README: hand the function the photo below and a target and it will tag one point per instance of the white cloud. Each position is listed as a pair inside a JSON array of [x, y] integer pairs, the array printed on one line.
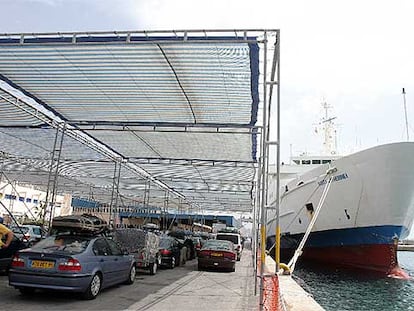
[[356, 55]]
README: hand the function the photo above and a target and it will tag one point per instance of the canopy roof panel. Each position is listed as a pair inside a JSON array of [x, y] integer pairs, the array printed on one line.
[[148, 82], [192, 143], [149, 116], [38, 143]]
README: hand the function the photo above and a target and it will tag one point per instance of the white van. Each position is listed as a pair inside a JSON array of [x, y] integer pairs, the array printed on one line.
[[232, 237]]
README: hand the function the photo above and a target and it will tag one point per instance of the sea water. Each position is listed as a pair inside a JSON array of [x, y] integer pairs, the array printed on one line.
[[337, 290]]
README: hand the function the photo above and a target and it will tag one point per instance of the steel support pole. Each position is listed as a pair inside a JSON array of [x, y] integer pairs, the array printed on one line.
[[115, 193], [264, 173], [256, 222], [116, 211], [112, 193], [277, 233], [165, 223], [49, 180], [54, 175]]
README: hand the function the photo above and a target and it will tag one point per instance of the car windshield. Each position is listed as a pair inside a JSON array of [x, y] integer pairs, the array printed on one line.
[[64, 244], [228, 237]]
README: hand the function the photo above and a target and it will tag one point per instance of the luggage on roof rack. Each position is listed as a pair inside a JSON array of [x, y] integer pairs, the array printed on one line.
[[84, 223], [229, 230], [144, 245]]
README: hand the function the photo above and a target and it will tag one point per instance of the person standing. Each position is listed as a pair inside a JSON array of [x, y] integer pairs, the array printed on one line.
[[4, 231]]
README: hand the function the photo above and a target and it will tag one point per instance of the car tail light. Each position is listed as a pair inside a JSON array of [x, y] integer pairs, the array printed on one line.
[[71, 265], [165, 252], [231, 256], [17, 262]]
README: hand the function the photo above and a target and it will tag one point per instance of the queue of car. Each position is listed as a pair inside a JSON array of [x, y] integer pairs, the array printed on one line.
[[85, 257]]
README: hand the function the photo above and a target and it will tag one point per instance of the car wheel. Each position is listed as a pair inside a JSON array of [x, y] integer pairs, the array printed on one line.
[[27, 291], [131, 276], [200, 268], [172, 265], [94, 288], [153, 267]]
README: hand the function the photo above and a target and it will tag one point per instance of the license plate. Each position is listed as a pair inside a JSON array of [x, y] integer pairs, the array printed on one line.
[[43, 264], [217, 254]]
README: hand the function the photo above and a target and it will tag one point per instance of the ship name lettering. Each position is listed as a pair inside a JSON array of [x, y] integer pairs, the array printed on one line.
[[336, 178]]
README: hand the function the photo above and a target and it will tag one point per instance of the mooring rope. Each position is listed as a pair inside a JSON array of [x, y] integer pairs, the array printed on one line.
[[298, 251]]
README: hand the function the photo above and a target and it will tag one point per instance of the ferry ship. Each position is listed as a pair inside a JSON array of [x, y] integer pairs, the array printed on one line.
[[367, 209]]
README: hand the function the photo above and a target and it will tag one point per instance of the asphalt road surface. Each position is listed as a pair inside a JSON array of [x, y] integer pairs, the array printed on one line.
[[119, 297], [182, 288]]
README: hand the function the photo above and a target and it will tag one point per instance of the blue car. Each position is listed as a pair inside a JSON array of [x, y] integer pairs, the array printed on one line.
[[76, 263]]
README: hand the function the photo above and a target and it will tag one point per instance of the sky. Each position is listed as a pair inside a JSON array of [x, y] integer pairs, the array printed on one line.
[[355, 55]]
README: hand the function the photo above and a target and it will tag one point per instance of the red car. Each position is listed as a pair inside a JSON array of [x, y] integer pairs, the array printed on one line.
[[217, 254]]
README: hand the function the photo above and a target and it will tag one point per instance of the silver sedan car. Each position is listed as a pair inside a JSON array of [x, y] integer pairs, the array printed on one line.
[[77, 263]]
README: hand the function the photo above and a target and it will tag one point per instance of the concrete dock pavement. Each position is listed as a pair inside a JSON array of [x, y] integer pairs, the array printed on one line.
[[293, 296], [207, 290]]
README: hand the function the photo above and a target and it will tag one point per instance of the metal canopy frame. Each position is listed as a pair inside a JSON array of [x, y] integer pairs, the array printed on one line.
[[179, 110]]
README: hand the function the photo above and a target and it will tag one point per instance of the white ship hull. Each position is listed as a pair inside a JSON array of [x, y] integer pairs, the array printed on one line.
[[369, 206]]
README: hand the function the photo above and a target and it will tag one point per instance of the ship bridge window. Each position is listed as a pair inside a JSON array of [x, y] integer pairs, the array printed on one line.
[[316, 161], [306, 162], [296, 162], [326, 161]]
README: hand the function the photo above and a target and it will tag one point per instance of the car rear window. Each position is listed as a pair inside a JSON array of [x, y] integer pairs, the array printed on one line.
[[63, 244], [218, 244], [228, 237], [165, 243], [37, 231]]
